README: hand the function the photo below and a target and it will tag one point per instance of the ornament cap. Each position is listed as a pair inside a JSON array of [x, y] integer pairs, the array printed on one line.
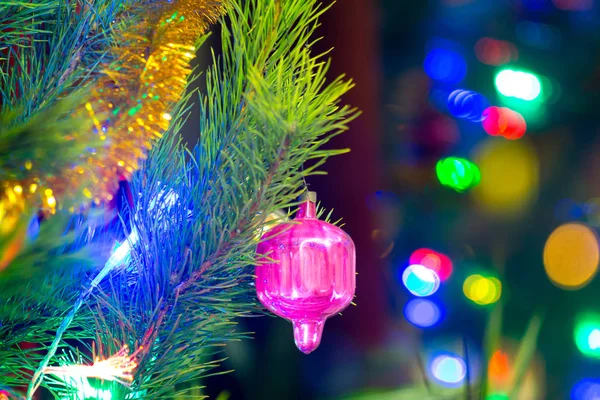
[[307, 334], [309, 196], [308, 208]]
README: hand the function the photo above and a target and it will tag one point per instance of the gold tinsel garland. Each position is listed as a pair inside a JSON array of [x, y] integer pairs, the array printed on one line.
[[130, 106]]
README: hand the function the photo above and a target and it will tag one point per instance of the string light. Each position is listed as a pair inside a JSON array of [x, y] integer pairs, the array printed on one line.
[[118, 368]]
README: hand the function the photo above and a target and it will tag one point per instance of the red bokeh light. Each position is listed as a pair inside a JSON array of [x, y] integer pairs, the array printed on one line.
[[495, 52], [504, 122], [437, 262]]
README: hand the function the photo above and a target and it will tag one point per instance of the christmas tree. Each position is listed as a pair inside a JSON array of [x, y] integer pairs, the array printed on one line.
[[125, 258]]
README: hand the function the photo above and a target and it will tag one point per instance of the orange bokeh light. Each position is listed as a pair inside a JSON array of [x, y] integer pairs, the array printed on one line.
[[499, 367]]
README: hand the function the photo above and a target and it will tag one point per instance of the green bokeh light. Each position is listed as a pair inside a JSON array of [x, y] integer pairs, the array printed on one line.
[[519, 84], [587, 334], [457, 173], [497, 396]]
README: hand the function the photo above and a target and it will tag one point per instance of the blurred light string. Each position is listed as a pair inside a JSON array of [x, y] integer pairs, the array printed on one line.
[[120, 256]]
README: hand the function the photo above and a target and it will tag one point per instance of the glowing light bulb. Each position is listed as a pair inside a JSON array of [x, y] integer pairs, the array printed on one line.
[[420, 280]]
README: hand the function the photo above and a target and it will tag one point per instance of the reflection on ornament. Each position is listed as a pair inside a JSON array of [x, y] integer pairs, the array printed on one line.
[[435, 261], [306, 273], [420, 280], [511, 174], [571, 256], [457, 173]]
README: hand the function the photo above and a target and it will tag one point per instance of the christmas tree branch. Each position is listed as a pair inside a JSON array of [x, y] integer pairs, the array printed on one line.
[[197, 216]]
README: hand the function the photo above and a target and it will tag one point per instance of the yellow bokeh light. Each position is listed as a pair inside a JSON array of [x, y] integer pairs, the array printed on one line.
[[509, 176], [18, 189], [51, 201], [482, 290], [571, 256]]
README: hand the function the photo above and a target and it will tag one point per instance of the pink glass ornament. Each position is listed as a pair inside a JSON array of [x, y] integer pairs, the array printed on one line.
[[312, 277]]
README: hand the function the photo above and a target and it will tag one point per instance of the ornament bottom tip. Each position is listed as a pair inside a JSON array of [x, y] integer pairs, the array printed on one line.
[[307, 334]]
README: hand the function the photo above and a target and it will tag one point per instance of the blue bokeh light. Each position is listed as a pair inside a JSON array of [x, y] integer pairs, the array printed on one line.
[[586, 389], [445, 65], [467, 104], [422, 313], [448, 369]]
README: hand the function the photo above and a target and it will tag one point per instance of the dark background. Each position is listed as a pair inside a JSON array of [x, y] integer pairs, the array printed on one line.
[[387, 192]]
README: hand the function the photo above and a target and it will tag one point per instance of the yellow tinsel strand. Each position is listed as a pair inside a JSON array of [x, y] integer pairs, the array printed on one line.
[[140, 88], [129, 106]]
